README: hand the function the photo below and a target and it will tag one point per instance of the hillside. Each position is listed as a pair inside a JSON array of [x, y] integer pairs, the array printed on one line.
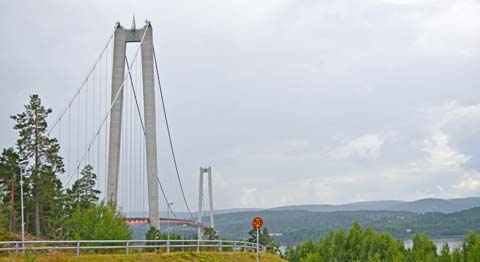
[[429, 205], [357, 206], [417, 206], [294, 226]]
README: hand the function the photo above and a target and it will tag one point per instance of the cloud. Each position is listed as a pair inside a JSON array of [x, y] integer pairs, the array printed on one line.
[[366, 146], [445, 115], [451, 27], [408, 2], [248, 197], [469, 184], [286, 150], [288, 101], [440, 154]]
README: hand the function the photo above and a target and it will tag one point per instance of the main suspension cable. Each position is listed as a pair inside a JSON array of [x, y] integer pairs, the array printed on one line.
[[169, 135], [145, 134], [83, 83], [135, 95], [111, 106]]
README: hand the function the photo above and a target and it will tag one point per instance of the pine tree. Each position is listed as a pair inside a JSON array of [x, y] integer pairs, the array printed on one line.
[[264, 239], [210, 233], [153, 234], [457, 255], [445, 254], [83, 193], [39, 155], [354, 242], [10, 193]]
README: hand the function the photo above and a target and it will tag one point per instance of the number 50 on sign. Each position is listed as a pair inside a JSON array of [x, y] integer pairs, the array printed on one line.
[[257, 222]]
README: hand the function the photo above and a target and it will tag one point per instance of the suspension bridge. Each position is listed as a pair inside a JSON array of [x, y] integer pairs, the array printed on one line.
[[106, 126]]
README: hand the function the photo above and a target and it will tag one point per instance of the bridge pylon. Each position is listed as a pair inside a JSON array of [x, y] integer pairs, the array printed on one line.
[[121, 38], [208, 171]]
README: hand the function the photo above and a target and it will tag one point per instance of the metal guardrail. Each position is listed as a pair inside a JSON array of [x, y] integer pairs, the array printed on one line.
[[142, 245]]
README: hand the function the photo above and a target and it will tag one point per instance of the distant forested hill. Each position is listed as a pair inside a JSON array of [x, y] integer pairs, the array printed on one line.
[[298, 225], [417, 206]]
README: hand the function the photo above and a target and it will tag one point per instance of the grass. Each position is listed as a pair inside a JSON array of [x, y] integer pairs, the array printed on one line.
[[147, 257]]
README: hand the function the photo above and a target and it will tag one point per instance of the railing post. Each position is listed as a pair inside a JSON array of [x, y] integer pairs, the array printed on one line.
[[198, 245], [244, 247], [126, 246], [235, 246], [78, 248], [219, 245], [16, 249]]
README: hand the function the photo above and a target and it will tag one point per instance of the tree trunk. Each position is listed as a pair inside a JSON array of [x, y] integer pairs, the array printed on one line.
[[36, 179], [13, 212]]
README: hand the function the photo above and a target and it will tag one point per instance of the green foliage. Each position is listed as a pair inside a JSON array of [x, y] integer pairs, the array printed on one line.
[[3, 217], [153, 233], [445, 254], [10, 188], [368, 245], [471, 247], [313, 257], [210, 233], [423, 249], [457, 255], [83, 193], [97, 222], [264, 239], [357, 245]]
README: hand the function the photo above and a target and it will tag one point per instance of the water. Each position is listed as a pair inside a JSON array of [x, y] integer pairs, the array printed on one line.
[[439, 242]]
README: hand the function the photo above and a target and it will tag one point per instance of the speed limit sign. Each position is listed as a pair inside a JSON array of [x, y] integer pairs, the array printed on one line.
[[257, 222]]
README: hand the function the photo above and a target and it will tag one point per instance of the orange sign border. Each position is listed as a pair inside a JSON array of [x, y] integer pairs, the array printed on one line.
[[259, 224]]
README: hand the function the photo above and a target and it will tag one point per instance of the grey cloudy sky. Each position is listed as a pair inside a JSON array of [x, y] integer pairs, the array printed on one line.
[[291, 102]]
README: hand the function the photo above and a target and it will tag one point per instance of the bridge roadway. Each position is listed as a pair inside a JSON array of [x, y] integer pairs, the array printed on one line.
[[142, 220]]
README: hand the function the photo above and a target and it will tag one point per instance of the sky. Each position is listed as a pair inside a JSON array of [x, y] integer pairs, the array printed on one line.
[[290, 102]]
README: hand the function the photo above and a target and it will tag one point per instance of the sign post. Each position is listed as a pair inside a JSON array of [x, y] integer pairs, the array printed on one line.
[[257, 223]]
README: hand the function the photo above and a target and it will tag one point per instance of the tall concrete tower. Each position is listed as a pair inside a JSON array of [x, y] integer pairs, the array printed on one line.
[[122, 37], [208, 171]]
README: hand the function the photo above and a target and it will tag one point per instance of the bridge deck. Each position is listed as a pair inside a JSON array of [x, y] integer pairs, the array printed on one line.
[[142, 220]]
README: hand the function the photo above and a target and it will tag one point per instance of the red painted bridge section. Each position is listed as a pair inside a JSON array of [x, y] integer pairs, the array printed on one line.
[[141, 221]]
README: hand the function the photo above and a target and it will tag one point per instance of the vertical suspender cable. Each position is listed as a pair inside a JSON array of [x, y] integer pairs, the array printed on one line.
[[78, 133], [158, 180], [69, 144], [99, 112], [106, 128], [83, 83], [86, 117], [111, 105], [94, 90]]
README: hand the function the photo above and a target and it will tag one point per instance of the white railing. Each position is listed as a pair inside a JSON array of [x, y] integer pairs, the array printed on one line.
[[129, 245]]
